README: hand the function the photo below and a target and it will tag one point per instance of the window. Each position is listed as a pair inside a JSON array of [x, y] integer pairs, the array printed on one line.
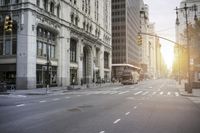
[[39, 48], [58, 11], [76, 20], [38, 3], [84, 25], [45, 39], [8, 47], [73, 44], [106, 60], [45, 4], [14, 46], [52, 51], [44, 50], [72, 18], [1, 47], [7, 2], [52, 7], [83, 5]]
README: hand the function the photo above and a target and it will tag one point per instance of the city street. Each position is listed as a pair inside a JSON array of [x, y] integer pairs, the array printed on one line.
[[153, 106]]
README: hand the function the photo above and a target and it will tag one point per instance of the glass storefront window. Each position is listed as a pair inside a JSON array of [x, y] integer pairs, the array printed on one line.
[[41, 75]]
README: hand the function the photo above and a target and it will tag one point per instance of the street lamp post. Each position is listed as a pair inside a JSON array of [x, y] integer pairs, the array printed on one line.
[[185, 9], [179, 71]]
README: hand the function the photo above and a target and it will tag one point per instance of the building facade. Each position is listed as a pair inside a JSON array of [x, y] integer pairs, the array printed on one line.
[[73, 37], [125, 27]]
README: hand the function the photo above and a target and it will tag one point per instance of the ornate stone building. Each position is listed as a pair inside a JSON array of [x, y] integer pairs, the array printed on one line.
[[74, 34]]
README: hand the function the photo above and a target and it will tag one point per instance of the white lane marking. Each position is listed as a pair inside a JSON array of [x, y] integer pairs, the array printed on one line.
[[161, 93], [116, 88], [154, 93], [115, 122], [168, 93], [56, 99], [67, 97], [145, 93], [43, 101], [127, 113], [135, 107], [78, 95], [21, 96], [137, 93], [111, 93], [176, 93], [123, 92], [20, 105], [102, 132]]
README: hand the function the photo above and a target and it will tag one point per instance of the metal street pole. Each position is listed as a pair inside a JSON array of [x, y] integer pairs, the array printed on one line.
[[179, 69], [186, 9]]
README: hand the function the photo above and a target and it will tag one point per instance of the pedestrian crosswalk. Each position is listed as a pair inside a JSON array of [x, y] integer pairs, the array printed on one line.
[[136, 93], [158, 93]]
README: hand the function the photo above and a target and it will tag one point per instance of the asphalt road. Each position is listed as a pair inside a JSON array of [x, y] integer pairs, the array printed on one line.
[[153, 106]]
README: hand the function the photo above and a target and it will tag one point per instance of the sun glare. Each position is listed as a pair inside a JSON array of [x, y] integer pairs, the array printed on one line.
[[167, 51]]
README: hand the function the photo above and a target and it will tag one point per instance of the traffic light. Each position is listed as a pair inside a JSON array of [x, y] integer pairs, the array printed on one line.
[[8, 24], [139, 39]]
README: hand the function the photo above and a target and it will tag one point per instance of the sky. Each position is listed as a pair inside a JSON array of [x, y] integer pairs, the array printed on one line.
[[163, 14]]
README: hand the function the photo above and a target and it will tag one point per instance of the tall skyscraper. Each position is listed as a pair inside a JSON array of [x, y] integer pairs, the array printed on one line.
[[125, 27]]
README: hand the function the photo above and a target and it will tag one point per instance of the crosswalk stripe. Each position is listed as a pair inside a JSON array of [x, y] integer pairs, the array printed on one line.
[[161, 93], [123, 92], [145, 93], [168, 93], [137, 93], [154, 93]]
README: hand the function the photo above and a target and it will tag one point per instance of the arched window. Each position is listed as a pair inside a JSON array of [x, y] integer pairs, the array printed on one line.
[[58, 10], [76, 20], [38, 3], [45, 3], [72, 18], [91, 28], [52, 7], [84, 25]]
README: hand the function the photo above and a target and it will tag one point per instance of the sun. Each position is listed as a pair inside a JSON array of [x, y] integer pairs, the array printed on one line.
[[167, 50]]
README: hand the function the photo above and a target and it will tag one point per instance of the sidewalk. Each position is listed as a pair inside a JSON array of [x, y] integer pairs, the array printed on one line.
[[57, 90], [181, 88]]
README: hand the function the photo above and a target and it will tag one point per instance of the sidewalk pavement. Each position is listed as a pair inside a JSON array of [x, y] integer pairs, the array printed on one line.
[[57, 90], [181, 88]]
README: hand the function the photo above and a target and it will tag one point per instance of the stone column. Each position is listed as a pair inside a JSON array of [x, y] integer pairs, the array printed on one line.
[[80, 60], [110, 64], [63, 53], [102, 62], [26, 52]]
